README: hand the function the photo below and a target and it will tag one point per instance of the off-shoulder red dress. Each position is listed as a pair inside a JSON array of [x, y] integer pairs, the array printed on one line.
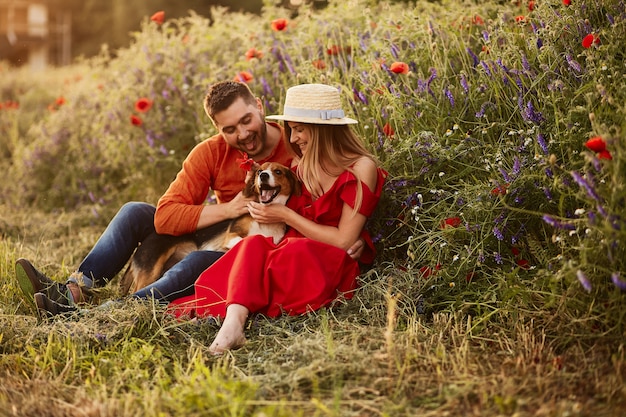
[[295, 276]]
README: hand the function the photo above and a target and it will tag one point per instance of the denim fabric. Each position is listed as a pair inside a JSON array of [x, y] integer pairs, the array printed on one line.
[[130, 226]]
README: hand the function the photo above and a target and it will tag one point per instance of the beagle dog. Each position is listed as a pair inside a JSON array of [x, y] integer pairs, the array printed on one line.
[[271, 183]]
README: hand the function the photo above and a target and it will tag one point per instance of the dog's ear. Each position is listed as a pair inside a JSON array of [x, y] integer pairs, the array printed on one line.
[[296, 187], [250, 189]]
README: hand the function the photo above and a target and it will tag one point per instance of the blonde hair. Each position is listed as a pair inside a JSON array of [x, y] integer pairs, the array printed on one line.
[[330, 146]]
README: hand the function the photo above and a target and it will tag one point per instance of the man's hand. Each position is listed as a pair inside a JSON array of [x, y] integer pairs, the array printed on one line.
[[238, 205], [356, 250]]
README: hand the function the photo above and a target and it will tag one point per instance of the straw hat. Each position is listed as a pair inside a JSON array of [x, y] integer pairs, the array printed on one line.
[[313, 103]]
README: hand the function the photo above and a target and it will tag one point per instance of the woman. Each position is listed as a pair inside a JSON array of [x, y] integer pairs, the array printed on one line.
[[311, 267]]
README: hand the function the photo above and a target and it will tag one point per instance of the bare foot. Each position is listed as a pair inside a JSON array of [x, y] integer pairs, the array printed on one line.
[[230, 335]]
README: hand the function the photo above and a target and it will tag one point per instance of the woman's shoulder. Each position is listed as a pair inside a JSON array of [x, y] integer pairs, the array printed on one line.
[[367, 170]]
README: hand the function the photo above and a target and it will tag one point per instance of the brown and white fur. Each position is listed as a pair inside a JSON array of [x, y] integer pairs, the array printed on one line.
[[271, 183]]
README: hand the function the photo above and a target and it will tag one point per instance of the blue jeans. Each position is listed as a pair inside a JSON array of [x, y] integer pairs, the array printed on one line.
[[130, 226]]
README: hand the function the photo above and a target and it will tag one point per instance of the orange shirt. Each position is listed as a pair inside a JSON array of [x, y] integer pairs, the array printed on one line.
[[211, 165]]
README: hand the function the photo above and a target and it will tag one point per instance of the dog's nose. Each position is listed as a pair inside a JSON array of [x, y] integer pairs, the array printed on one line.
[[264, 176]]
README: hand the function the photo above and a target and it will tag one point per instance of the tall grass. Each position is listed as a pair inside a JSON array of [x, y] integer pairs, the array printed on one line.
[[498, 286]]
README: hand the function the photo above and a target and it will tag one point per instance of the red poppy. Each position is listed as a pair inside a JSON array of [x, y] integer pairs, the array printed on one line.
[[245, 163], [279, 25], [520, 19], [591, 39], [523, 263], [60, 101], [567, 2], [477, 20], [399, 68], [427, 271], [333, 50], [319, 64], [451, 222], [253, 53], [531, 5], [388, 130], [243, 77], [469, 276], [500, 189], [596, 144], [135, 120], [605, 155], [158, 17], [143, 105]]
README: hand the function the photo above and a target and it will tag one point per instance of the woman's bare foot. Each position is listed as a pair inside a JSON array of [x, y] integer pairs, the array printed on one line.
[[230, 335]]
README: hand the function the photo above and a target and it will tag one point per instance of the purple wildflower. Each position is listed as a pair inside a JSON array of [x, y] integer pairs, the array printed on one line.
[[483, 109], [473, 55], [433, 75], [501, 65], [163, 150], [525, 63], [584, 184], [542, 143], [395, 51], [150, 138], [498, 233], [481, 257], [549, 173], [539, 43], [573, 64], [486, 36], [533, 26], [486, 67], [610, 18], [557, 224], [448, 94], [618, 282], [583, 280], [530, 114], [497, 257], [505, 175], [464, 84], [517, 165], [267, 89], [548, 194]]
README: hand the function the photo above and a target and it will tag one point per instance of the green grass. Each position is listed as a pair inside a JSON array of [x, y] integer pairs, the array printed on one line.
[[487, 316]]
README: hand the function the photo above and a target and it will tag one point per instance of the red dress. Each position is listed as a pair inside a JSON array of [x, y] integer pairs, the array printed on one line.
[[296, 276]]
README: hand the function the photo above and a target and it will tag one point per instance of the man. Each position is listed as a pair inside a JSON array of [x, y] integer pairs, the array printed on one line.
[[212, 165]]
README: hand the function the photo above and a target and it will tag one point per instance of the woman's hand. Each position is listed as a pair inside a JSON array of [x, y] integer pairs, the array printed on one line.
[[268, 213]]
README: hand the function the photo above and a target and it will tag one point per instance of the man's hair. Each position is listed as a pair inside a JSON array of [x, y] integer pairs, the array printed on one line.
[[222, 94]]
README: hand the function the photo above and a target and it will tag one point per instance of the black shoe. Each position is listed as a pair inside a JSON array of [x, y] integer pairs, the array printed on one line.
[[50, 308], [32, 281]]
